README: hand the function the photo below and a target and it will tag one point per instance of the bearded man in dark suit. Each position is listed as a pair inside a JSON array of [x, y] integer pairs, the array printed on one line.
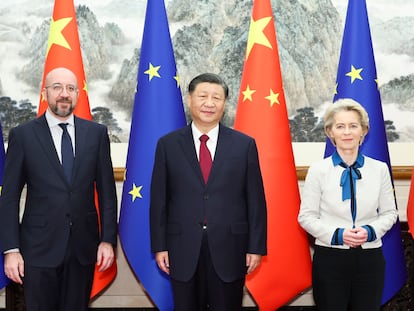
[[54, 250]]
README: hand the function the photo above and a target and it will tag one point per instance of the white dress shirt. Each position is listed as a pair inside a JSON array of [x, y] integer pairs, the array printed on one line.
[[57, 131], [211, 142]]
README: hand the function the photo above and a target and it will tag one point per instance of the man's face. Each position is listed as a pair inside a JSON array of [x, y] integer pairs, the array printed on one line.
[[61, 92], [207, 104]]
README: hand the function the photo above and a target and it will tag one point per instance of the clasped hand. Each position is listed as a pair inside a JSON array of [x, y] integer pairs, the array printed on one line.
[[355, 237]]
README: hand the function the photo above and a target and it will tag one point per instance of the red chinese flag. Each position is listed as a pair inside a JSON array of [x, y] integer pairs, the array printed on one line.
[[262, 114], [63, 50], [410, 207]]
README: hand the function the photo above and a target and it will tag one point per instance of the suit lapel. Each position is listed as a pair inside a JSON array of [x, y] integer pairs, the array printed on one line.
[[81, 134], [187, 144], [224, 143], [45, 139]]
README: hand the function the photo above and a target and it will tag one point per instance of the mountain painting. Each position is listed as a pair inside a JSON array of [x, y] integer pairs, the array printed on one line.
[[209, 36]]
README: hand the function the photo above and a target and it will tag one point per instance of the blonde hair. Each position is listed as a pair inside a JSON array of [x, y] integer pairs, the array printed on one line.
[[346, 104]]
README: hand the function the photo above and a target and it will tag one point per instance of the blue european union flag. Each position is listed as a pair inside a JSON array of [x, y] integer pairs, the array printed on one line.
[[158, 109], [357, 79], [3, 279]]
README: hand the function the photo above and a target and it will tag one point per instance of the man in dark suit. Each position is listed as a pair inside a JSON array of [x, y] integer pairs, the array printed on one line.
[[207, 231], [54, 250]]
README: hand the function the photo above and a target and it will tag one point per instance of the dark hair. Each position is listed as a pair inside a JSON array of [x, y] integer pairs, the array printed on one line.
[[209, 78]]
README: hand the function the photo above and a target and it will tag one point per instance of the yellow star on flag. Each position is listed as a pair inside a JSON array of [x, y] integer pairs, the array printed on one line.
[[247, 94], [256, 34], [135, 192], [85, 86], [273, 98], [55, 34], [354, 74], [177, 78], [152, 71]]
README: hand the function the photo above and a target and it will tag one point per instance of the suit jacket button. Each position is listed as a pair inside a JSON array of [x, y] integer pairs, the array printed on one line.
[[206, 196]]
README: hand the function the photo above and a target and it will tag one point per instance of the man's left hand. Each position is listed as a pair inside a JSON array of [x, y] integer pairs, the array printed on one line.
[[106, 256], [252, 262]]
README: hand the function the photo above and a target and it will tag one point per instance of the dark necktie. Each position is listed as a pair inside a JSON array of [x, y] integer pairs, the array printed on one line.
[[205, 157], [67, 152]]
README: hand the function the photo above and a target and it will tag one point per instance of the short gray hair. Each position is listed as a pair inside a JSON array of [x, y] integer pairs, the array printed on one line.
[[346, 104]]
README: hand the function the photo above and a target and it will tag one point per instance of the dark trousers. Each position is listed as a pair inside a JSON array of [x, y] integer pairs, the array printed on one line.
[[64, 288], [348, 279], [205, 290]]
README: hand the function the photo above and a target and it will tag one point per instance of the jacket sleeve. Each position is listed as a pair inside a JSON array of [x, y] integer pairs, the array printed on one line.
[[13, 183], [158, 205], [105, 184], [256, 202]]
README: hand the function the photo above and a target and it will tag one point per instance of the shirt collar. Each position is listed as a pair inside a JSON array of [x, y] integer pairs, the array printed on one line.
[[53, 121], [212, 134], [336, 159]]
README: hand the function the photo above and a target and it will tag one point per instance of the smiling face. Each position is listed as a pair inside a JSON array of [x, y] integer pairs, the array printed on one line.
[[61, 92], [346, 131], [206, 104]]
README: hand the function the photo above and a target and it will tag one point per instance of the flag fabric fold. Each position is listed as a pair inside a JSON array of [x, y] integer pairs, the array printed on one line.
[[3, 279], [262, 114], [357, 79], [410, 206], [158, 109], [63, 50]]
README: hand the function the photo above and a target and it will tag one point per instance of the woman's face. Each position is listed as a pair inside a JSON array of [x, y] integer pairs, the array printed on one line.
[[346, 131]]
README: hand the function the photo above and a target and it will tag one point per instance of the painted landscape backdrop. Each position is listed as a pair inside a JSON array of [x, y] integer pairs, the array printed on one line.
[[209, 35]]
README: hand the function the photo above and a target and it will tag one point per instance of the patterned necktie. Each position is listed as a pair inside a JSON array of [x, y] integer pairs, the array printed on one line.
[[205, 157], [67, 152]]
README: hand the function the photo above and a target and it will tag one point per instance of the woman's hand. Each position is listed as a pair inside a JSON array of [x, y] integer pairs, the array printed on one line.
[[355, 237]]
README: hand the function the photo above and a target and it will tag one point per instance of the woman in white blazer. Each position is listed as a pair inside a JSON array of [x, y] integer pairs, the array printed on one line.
[[347, 206]]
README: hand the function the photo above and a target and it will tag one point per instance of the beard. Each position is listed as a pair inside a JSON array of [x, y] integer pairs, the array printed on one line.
[[63, 112]]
